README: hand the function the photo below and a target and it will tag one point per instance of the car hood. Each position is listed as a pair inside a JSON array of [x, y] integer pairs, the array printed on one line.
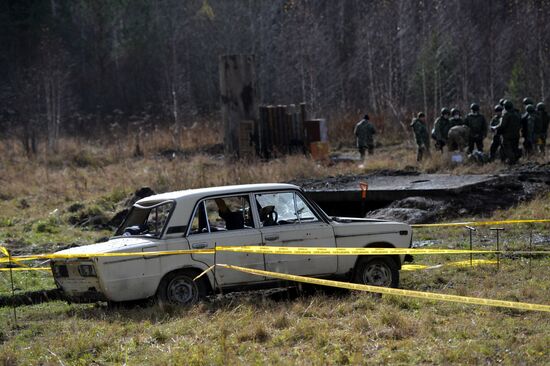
[[113, 245]]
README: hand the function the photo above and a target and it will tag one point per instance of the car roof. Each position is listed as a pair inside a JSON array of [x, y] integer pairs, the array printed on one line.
[[223, 190]]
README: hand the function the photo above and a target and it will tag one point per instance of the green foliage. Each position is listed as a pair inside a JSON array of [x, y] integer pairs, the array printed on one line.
[[116, 196], [7, 221], [51, 226]]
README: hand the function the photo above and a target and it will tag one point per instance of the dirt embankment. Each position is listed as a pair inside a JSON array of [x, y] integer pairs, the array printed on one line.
[[504, 190]]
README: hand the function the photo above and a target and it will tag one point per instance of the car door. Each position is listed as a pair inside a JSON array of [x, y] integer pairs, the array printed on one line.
[[227, 221], [287, 220]]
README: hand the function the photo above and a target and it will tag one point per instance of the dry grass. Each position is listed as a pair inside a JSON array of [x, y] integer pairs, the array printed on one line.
[[325, 328]]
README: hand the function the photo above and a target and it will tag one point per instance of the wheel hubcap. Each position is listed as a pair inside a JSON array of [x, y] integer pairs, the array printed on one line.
[[181, 291], [377, 274]]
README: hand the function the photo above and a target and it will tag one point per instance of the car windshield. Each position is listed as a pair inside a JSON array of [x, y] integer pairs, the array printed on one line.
[[146, 220]]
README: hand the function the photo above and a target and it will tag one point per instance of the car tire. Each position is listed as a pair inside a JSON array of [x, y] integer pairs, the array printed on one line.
[[376, 271], [179, 288]]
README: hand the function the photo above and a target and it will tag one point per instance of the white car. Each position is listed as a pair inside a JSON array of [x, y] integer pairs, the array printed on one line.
[[243, 215]]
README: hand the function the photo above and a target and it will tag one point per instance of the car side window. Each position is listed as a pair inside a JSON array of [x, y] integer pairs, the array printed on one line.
[[283, 208], [229, 213], [199, 224]]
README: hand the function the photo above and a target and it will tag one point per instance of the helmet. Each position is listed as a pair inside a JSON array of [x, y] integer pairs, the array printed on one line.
[[474, 107], [445, 111], [527, 101], [508, 105], [455, 111], [420, 115], [498, 108], [540, 106], [530, 108], [501, 101]]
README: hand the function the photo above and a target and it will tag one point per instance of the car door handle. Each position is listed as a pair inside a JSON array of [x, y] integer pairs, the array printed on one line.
[[199, 245], [272, 237]]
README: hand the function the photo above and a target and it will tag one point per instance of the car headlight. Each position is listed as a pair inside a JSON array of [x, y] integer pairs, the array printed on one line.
[[86, 270], [60, 270]]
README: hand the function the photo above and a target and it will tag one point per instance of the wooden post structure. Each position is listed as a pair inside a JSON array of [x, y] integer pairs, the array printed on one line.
[[238, 97], [263, 137]]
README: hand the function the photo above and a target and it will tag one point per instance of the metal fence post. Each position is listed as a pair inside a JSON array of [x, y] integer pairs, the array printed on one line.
[[471, 229], [10, 263], [498, 230], [530, 248]]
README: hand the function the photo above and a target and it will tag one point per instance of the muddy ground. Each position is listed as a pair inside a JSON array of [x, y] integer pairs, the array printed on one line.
[[506, 189]]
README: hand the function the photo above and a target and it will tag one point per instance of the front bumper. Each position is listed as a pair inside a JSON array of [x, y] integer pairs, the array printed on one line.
[[75, 287], [86, 297]]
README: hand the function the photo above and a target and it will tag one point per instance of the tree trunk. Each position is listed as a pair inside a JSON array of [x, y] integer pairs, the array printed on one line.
[[372, 95], [424, 89]]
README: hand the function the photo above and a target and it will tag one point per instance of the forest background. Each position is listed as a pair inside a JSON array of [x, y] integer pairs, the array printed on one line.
[[92, 69]]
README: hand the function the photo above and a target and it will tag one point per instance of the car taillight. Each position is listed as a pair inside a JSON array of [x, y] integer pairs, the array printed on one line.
[[60, 270], [86, 270]]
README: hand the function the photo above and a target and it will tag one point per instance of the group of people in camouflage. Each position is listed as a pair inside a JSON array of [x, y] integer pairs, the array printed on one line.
[[507, 126]]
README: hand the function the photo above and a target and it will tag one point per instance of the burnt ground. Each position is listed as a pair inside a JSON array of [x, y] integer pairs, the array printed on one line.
[[503, 190]]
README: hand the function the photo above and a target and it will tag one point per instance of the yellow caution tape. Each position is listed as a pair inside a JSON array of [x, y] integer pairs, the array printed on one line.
[[25, 269], [4, 251], [10, 259], [417, 267], [482, 223], [94, 255], [475, 262], [270, 250], [344, 251], [465, 263], [360, 251], [394, 291], [405, 267]]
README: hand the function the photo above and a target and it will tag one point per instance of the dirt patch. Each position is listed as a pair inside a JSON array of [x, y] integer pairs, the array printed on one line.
[[31, 298], [506, 189], [413, 210], [340, 181]]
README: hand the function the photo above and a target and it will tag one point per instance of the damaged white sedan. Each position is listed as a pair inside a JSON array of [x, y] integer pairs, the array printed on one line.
[[244, 215]]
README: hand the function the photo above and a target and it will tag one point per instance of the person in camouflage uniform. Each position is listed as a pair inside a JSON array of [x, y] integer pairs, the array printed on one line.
[[509, 128], [497, 138], [421, 135], [458, 138], [543, 132], [364, 132], [456, 119], [478, 128], [533, 127], [441, 129], [526, 130]]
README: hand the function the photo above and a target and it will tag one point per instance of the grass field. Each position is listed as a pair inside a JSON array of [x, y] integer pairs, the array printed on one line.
[[312, 327]]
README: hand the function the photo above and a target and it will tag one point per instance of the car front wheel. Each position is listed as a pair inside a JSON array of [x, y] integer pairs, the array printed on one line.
[[377, 271], [179, 288]]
